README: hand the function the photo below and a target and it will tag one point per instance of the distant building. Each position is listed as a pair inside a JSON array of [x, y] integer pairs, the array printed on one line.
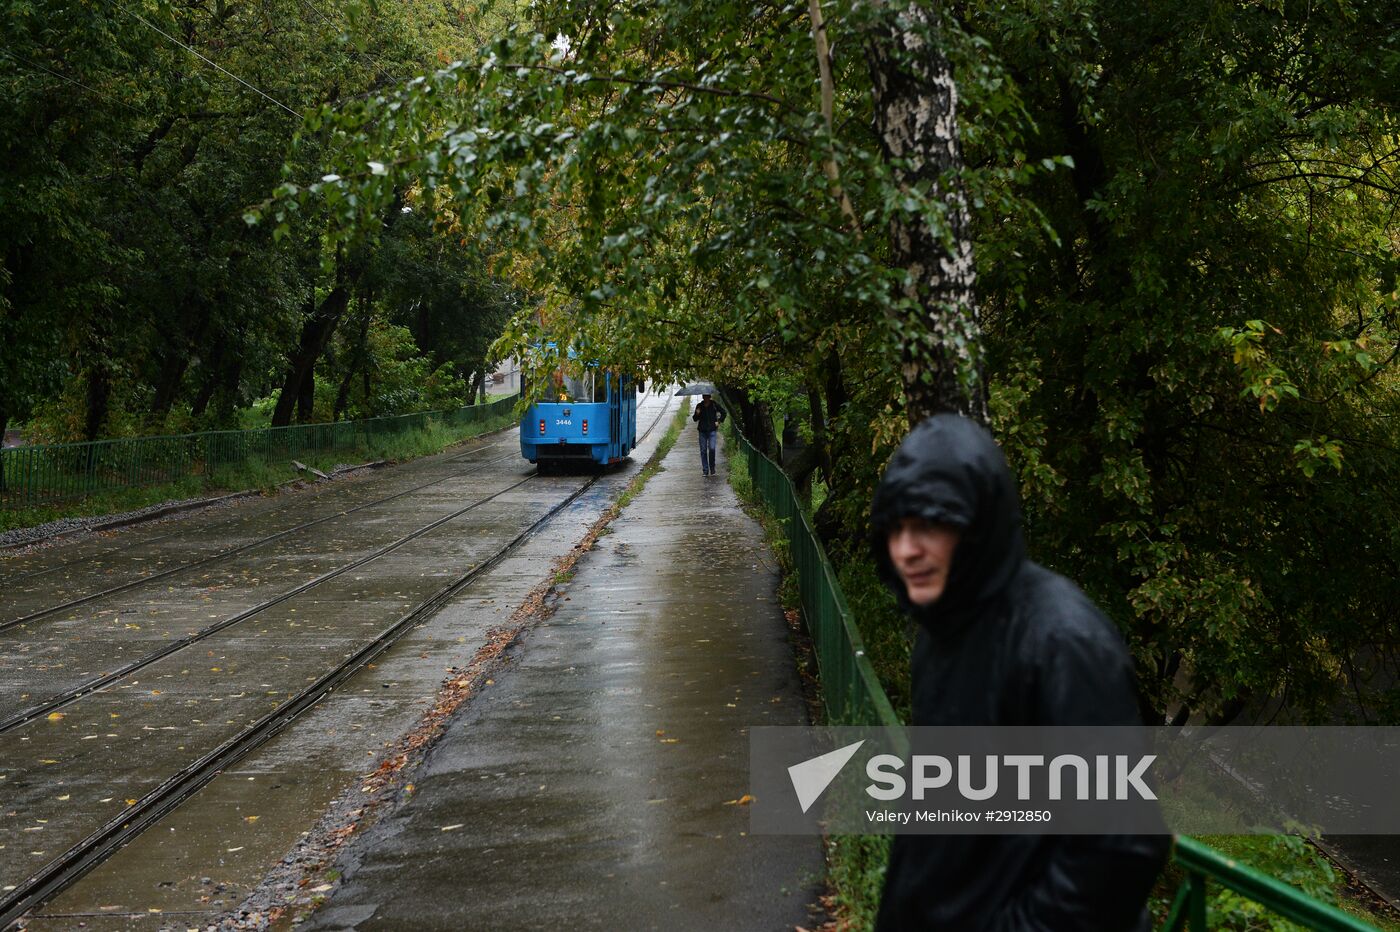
[[506, 378]]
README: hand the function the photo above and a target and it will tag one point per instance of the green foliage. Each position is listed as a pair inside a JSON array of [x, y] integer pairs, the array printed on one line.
[[1145, 197], [856, 871], [1191, 379], [134, 296], [882, 626], [1287, 858]]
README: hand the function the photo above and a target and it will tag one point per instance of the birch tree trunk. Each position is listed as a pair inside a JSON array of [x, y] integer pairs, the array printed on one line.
[[916, 121]]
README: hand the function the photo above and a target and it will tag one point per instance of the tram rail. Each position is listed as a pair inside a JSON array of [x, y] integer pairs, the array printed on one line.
[[60, 872], [10, 579], [214, 557]]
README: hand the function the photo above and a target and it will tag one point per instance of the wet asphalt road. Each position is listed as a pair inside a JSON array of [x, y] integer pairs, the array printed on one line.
[[598, 785], [67, 772]]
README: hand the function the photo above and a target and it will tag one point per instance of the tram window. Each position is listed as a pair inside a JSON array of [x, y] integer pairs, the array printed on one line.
[[600, 387], [562, 388]]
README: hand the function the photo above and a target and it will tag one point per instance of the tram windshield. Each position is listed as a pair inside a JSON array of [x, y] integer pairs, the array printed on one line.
[[562, 387]]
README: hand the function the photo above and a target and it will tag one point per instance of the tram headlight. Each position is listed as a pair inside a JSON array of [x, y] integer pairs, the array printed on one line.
[[541, 427], [585, 427]]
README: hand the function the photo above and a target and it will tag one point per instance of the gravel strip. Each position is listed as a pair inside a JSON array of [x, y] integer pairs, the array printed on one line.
[[44, 534]]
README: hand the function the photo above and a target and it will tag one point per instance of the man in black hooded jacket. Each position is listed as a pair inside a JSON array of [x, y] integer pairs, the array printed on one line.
[[1000, 640]]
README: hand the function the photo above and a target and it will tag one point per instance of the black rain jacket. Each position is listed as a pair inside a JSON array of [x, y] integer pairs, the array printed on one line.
[[709, 415], [1007, 643]]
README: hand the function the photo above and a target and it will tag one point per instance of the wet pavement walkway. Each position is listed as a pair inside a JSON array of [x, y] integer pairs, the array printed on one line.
[[599, 782]]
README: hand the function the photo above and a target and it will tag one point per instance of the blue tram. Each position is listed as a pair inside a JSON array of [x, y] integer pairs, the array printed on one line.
[[581, 419]]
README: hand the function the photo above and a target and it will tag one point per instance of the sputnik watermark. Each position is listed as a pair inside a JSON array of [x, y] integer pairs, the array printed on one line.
[[1115, 777], [1074, 780], [811, 777]]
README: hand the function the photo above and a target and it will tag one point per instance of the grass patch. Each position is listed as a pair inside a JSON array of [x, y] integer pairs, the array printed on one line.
[[774, 530], [253, 474], [105, 503], [855, 866], [884, 629]]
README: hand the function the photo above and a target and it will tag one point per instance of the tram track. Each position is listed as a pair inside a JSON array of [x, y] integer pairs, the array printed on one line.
[[23, 577], [58, 701], [223, 554], [156, 804], [150, 808]]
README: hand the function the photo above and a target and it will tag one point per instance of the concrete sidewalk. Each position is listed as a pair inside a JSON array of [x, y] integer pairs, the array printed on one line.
[[593, 785]]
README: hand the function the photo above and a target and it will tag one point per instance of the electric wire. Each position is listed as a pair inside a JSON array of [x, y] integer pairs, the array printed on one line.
[[92, 90], [195, 52], [363, 55]]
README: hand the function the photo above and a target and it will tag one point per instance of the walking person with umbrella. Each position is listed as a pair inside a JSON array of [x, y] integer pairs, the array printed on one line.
[[708, 415]]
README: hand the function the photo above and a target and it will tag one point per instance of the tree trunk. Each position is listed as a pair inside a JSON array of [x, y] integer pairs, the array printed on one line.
[[228, 390], [176, 360], [916, 121], [821, 443], [836, 396], [357, 360], [306, 394], [213, 372], [299, 383], [755, 420], [172, 375], [316, 333], [99, 397], [342, 396]]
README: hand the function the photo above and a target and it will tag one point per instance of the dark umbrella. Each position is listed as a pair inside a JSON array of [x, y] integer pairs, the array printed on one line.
[[697, 388]]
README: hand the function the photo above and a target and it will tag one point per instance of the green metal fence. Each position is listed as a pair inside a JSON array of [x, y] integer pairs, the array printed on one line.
[[43, 474], [853, 696], [850, 687], [1204, 864]]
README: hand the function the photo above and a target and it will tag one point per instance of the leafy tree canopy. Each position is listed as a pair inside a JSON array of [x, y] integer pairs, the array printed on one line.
[[1184, 231]]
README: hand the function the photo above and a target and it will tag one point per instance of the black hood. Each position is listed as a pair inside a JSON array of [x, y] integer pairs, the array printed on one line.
[[949, 469]]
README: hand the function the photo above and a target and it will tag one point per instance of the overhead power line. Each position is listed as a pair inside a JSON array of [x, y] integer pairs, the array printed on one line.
[[257, 90], [364, 56], [74, 81]]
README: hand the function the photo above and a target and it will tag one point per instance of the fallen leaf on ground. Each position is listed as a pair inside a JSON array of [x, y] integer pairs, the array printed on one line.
[[741, 801]]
